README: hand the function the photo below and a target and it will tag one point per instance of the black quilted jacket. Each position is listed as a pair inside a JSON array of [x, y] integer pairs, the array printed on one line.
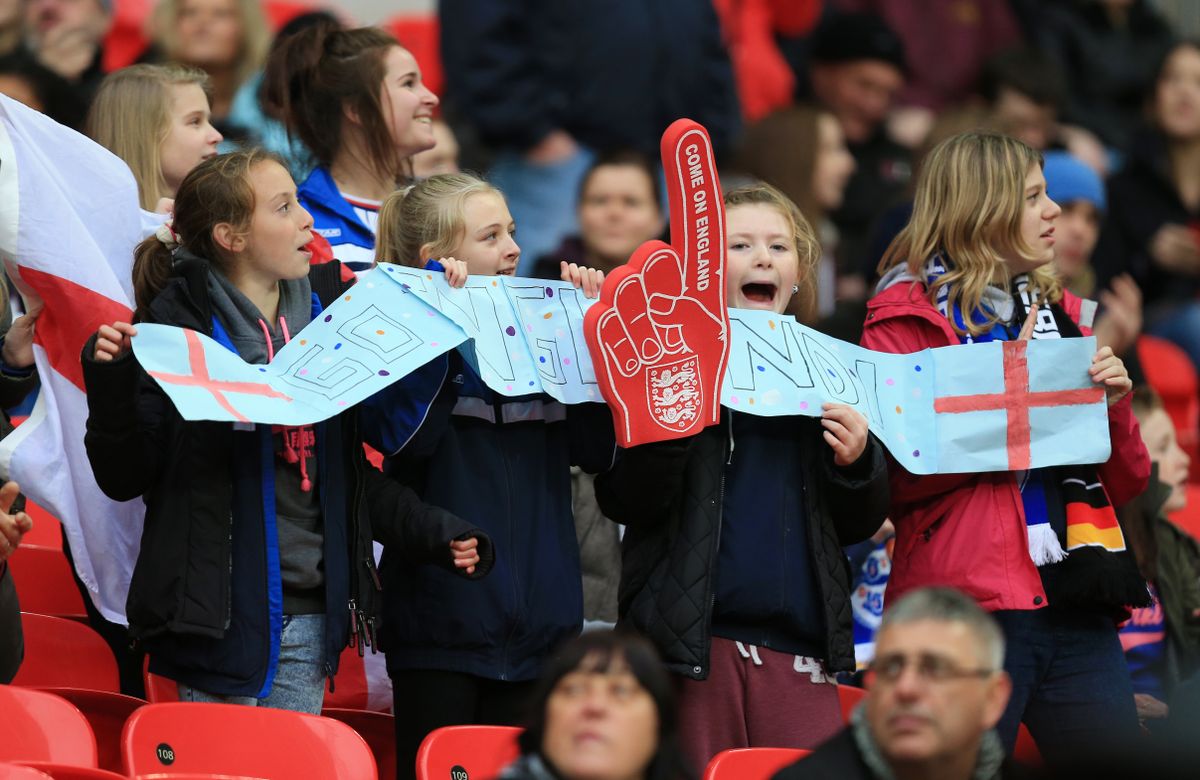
[[669, 496]]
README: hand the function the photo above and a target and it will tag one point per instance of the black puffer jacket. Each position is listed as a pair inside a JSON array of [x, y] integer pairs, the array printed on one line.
[[670, 495]]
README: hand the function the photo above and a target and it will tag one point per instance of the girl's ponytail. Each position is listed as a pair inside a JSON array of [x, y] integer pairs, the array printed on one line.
[[390, 245], [151, 270]]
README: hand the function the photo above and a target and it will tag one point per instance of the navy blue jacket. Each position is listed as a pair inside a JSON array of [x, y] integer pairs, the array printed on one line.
[[612, 74], [206, 596], [670, 496], [502, 464]]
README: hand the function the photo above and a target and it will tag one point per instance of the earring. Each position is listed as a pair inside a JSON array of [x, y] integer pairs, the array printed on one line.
[[795, 289]]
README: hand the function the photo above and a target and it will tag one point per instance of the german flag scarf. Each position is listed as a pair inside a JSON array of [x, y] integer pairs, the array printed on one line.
[[1074, 537]]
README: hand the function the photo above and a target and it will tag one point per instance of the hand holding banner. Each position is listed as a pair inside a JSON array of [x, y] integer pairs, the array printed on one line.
[[659, 335]]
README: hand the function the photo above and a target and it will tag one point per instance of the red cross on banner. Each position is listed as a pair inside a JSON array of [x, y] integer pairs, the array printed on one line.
[[1017, 399], [200, 378]]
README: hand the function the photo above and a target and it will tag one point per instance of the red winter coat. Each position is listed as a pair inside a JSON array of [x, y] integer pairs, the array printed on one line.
[[967, 531]]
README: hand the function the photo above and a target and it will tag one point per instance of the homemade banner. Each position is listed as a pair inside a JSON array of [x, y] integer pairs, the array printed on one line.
[[660, 332], [978, 407]]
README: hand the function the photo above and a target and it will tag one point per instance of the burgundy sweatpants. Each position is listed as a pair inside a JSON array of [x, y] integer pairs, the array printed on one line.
[[755, 697]]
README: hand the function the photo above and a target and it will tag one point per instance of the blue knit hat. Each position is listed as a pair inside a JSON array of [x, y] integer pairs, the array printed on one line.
[[1068, 179]]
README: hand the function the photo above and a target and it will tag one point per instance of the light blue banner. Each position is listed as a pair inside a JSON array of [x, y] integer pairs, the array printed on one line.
[[1006, 407]]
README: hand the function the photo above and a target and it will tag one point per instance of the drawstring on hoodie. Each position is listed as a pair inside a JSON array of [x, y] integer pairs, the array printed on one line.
[[292, 435]]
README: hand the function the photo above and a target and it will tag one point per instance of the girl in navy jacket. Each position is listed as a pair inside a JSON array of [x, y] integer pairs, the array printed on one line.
[[457, 655]]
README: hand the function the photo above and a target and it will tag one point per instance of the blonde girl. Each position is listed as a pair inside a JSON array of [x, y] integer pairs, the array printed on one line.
[[974, 264], [732, 558], [157, 119], [457, 655]]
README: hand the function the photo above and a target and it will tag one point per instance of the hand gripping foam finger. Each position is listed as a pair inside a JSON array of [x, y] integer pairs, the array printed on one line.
[[659, 335]]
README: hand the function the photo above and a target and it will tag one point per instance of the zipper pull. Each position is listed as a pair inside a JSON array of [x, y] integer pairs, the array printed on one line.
[[370, 560], [353, 624], [364, 637], [329, 676], [371, 633]]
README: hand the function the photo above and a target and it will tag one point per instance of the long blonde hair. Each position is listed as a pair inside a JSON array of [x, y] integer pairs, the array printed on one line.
[[429, 212], [808, 248], [970, 197], [256, 36], [131, 117]]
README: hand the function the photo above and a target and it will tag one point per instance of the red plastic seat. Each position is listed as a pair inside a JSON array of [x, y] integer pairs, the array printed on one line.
[[849, 697], [46, 531], [21, 772], [65, 654], [106, 713], [67, 772], [378, 729], [1188, 518], [240, 740], [482, 751], [751, 763], [159, 689], [40, 726], [44, 582], [1025, 751]]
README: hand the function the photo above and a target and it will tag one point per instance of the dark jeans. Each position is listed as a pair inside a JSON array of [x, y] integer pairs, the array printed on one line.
[[1070, 683], [424, 700]]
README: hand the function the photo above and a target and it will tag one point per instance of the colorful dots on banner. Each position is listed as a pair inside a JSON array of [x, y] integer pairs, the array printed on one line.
[[803, 405], [547, 315], [566, 361], [343, 403], [379, 333], [771, 324], [384, 372], [733, 399], [329, 318], [917, 369], [510, 330], [302, 372], [337, 345], [433, 343], [303, 342], [899, 410], [494, 283], [549, 292], [508, 387], [889, 382], [346, 298], [542, 359], [761, 368], [262, 370], [916, 453]]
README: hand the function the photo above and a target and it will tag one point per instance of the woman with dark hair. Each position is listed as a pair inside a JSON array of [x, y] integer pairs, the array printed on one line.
[[356, 101], [604, 709], [1152, 229]]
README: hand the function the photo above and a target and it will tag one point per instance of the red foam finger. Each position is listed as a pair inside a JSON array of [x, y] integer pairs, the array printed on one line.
[[667, 305]]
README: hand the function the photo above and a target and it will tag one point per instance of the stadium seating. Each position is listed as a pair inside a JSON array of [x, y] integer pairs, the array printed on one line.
[[106, 713], [40, 726], [44, 582], [480, 751], [751, 763], [65, 653], [251, 741]]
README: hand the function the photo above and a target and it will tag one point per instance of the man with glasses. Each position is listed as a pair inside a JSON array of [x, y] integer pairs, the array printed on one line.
[[937, 687]]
